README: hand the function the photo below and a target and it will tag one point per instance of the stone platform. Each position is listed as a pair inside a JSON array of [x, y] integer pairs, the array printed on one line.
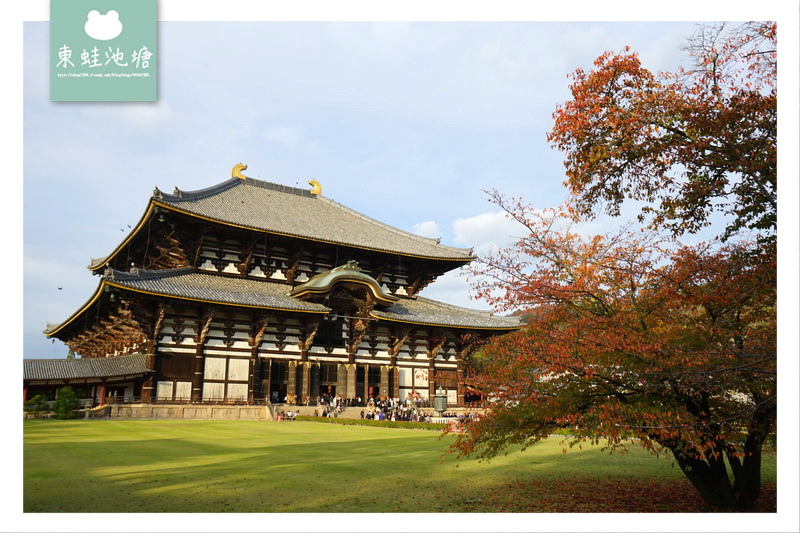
[[190, 412]]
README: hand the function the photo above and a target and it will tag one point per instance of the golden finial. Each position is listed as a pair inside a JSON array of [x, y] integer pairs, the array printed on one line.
[[316, 188], [237, 171]]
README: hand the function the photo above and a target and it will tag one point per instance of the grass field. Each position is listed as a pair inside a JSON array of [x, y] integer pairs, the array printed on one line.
[[235, 466]]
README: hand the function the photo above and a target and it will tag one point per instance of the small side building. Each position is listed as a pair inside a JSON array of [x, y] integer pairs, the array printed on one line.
[[94, 379]]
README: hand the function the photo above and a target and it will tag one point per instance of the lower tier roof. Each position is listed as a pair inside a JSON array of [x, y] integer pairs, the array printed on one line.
[[193, 285]]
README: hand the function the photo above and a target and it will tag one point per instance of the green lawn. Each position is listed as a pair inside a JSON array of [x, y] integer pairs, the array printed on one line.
[[235, 466]]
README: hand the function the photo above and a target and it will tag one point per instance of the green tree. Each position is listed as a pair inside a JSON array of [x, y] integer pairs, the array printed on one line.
[[37, 405], [67, 403]]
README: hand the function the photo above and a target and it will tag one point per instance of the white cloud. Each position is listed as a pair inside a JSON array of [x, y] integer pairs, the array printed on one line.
[[453, 287], [487, 231], [427, 229]]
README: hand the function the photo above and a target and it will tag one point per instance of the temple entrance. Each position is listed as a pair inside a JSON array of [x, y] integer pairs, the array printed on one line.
[[360, 380], [327, 390], [324, 379], [278, 381], [277, 393], [373, 382]]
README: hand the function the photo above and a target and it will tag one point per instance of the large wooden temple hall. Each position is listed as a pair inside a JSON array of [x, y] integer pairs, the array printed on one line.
[[253, 292]]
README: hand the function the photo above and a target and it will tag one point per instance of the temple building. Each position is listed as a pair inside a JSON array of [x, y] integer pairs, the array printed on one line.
[[253, 292]]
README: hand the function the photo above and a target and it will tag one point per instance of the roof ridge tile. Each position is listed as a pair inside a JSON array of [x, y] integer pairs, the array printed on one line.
[[179, 195]]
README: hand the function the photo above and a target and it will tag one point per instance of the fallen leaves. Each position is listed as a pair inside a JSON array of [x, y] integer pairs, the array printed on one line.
[[589, 495]]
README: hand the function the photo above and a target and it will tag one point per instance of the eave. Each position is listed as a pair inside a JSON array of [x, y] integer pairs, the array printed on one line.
[[461, 261], [145, 218], [106, 284], [444, 324]]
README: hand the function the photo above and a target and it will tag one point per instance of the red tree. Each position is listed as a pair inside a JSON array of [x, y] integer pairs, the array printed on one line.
[[690, 143], [632, 338], [630, 335]]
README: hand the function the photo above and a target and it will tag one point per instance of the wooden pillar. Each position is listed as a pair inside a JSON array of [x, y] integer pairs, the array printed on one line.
[[342, 377], [102, 393], [291, 386], [459, 380], [305, 381], [436, 339], [384, 381], [308, 333], [148, 385], [268, 391], [394, 381], [365, 392], [156, 320], [25, 392], [257, 330], [350, 382], [431, 378], [251, 375], [198, 365]]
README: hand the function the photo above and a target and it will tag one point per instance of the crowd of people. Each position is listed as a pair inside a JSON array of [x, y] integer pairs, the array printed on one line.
[[281, 415], [395, 410], [381, 408], [374, 408]]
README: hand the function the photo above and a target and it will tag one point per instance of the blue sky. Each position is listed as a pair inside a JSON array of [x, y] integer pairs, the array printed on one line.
[[404, 121], [408, 122]]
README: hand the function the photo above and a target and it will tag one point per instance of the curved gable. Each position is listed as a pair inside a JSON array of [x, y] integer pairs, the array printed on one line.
[[324, 284]]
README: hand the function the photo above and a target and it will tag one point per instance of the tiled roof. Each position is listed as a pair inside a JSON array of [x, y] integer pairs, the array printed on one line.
[[296, 212], [430, 312], [88, 368], [190, 284]]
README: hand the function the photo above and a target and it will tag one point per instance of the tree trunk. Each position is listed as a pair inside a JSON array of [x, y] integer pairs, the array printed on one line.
[[747, 484], [711, 478]]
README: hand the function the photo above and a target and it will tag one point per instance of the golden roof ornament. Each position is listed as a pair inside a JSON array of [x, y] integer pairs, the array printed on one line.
[[236, 172], [316, 187]]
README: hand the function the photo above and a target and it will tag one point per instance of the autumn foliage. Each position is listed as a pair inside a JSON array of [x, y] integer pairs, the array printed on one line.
[[629, 337], [632, 337], [692, 143]]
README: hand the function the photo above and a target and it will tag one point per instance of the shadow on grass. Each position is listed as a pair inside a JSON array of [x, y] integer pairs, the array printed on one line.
[[170, 466]]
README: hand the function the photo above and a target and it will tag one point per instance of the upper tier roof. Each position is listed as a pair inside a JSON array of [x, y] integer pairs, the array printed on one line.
[[298, 213]]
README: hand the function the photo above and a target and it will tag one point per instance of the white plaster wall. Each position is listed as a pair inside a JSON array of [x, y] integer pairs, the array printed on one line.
[[214, 368], [238, 369]]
